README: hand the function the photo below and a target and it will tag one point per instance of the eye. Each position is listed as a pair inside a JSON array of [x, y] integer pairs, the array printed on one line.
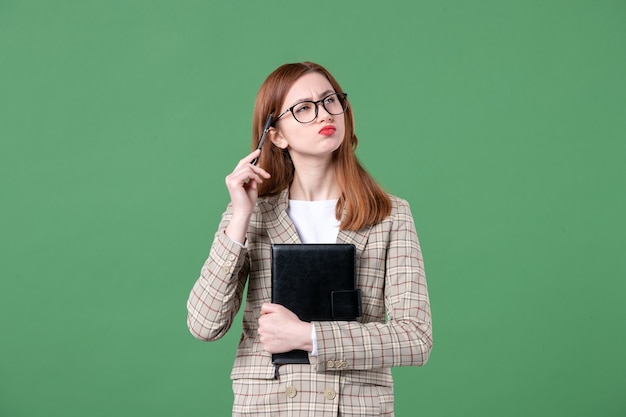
[[330, 99], [302, 107]]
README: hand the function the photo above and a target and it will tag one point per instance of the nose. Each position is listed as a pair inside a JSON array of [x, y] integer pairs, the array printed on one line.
[[322, 113]]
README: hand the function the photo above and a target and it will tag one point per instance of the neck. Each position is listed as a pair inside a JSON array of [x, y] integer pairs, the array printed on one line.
[[314, 183]]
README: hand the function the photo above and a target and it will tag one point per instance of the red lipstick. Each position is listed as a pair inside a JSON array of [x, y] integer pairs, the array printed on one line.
[[327, 130]]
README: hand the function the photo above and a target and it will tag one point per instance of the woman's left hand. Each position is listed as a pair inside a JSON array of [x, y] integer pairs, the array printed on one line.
[[280, 330]]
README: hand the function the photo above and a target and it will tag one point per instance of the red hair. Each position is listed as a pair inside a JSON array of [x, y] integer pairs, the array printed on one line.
[[364, 201]]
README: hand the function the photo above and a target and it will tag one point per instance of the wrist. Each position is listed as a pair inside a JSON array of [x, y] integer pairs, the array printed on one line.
[[237, 228], [307, 337]]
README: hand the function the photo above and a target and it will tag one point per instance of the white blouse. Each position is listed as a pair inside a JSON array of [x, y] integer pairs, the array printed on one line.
[[315, 221]]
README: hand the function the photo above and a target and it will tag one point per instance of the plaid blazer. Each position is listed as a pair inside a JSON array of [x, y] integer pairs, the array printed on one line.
[[351, 373]]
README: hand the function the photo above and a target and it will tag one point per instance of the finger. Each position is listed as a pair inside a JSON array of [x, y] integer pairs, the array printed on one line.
[[254, 177], [267, 308], [254, 172], [247, 160], [243, 175], [258, 170], [238, 179]]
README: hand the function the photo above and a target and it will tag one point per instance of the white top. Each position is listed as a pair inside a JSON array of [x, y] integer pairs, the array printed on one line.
[[315, 221]]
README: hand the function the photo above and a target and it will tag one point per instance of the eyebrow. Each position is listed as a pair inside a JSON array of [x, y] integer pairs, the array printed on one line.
[[324, 94]]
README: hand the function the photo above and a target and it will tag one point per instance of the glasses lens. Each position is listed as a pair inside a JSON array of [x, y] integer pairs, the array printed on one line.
[[305, 112], [335, 104]]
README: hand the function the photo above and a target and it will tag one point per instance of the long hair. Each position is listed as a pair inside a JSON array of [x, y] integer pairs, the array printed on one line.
[[362, 201]]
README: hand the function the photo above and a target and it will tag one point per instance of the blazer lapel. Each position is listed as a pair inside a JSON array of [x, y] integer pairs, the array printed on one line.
[[280, 228], [357, 238]]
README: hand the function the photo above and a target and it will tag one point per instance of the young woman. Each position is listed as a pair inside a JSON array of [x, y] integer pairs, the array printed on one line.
[[308, 187]]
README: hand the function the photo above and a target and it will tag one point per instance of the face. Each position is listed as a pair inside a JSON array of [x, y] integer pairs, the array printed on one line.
[[317, 139]]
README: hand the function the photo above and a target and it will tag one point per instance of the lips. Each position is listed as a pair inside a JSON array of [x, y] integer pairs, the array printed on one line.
[[327, 130]]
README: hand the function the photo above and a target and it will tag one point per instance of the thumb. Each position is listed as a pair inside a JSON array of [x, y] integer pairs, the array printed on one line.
[[267, 308]]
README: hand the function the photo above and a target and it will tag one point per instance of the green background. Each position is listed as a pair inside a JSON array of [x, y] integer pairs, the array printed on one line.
[[501, 122]]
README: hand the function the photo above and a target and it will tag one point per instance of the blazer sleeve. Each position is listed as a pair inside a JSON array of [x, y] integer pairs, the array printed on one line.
[[405, 337], [217, 295]]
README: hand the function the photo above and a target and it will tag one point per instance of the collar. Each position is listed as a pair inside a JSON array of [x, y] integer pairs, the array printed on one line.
[[281, 229]]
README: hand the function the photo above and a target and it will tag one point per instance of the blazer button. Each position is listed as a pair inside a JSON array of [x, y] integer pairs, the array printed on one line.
[[330, 393], [330, 364], [338, 364], [291, 392], [344, 364], [231, 257]]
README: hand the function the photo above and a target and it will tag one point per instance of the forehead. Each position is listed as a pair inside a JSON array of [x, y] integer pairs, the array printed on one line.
[[310, 86]]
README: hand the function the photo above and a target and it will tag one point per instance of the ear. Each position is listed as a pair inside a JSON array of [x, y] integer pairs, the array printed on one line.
[[277, 138]]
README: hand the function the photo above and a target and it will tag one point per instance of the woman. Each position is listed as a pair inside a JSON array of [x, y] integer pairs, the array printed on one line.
[[310, 188]]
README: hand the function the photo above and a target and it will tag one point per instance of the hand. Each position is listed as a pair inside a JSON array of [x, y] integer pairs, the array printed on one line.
[[242, 183], [242, 187], [280, 330]]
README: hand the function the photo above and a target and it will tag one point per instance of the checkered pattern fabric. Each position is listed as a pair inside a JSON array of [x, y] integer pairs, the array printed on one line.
[[351, 374]]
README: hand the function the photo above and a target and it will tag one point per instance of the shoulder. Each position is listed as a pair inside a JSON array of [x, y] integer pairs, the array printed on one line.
[[401, 215], [399, 206]]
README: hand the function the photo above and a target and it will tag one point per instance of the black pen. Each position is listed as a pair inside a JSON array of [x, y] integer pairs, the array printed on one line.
[[268, 124]]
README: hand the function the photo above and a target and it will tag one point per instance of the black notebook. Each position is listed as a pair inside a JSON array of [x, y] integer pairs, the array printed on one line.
[[318, 283]]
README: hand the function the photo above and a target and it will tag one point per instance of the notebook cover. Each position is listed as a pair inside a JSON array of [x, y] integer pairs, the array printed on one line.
[[317, 282]]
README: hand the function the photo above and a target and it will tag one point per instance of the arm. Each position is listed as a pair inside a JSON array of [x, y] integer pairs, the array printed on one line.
[[216, 296], [406, 336]]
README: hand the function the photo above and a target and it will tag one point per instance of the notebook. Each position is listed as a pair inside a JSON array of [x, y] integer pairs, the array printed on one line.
[[318, 283]]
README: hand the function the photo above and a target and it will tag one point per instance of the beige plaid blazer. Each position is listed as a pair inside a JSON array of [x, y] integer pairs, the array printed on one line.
[[351, 373]]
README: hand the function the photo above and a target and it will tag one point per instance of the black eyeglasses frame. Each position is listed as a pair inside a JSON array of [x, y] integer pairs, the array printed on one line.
[[341, 96]]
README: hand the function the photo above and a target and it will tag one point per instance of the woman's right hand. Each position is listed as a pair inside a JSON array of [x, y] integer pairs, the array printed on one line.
[[242, 187]]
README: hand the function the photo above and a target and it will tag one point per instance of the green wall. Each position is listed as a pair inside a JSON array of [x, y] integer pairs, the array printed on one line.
[[501, 122]]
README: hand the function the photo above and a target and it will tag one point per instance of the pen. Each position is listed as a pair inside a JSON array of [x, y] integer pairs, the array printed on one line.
[[268, 123]]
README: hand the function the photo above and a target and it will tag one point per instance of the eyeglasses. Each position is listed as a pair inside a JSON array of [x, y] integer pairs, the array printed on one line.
[[306, 111]]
